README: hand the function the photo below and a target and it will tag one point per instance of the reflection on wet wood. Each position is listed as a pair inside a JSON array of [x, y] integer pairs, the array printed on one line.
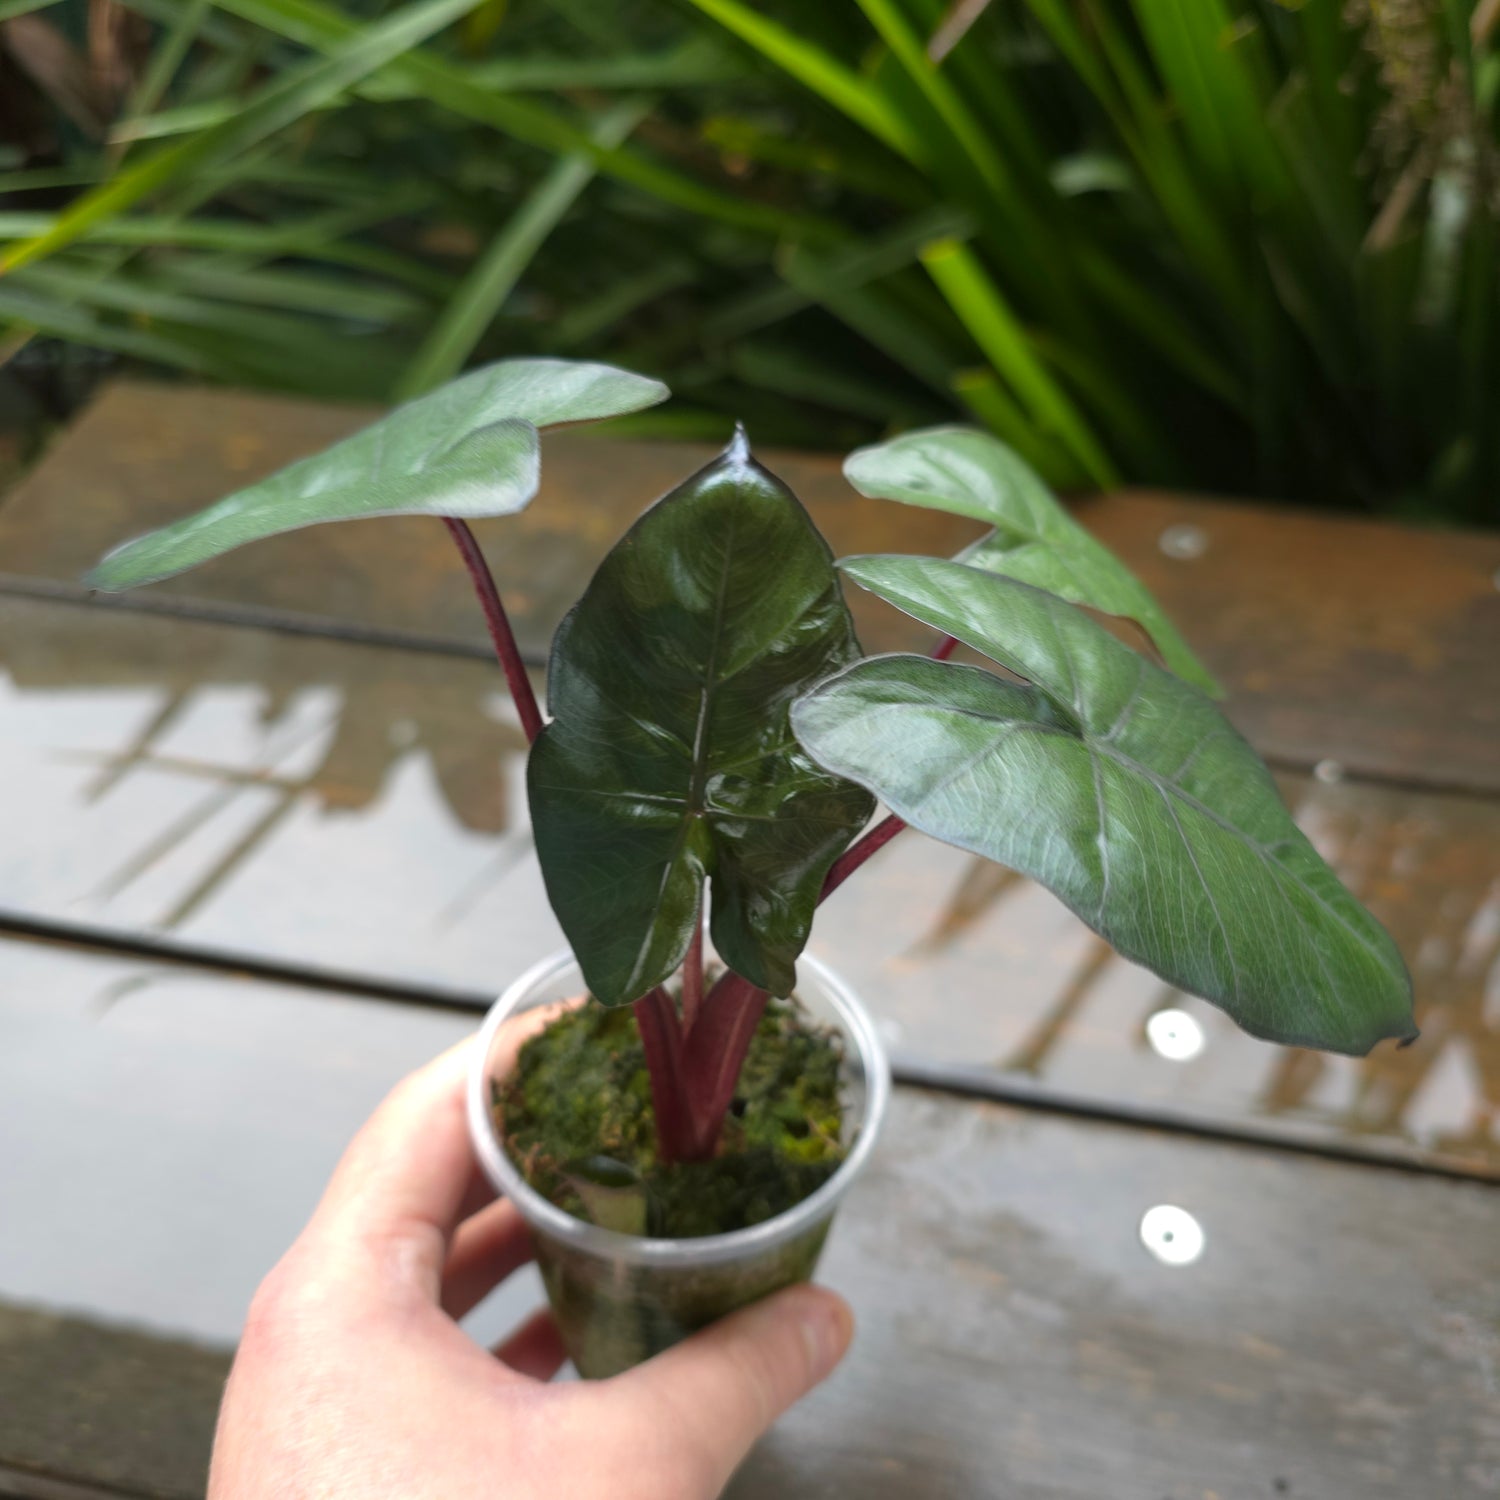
[[1358, 642], [360, 809], [1335, 1337], [1021, 984], [301, 798]]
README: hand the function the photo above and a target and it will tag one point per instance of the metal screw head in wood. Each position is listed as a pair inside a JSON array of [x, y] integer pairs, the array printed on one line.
[[1172, 1235], [1175, 1035], [1185, 542]]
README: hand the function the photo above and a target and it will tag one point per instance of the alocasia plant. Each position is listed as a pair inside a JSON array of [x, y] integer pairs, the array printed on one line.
[[717, 737]]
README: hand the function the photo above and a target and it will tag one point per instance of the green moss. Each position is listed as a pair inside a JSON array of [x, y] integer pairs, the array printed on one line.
[[581, 1092]]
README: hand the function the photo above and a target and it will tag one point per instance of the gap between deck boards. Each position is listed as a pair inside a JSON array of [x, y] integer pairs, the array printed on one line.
[[22, 1484], [289, 622]]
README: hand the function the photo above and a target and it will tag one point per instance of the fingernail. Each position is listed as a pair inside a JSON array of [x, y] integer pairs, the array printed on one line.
[[827, 1326]]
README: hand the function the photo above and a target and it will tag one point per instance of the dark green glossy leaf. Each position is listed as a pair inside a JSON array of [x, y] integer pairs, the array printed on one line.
[[469, 448], [1118, 787], [970, 473], [670, 758]]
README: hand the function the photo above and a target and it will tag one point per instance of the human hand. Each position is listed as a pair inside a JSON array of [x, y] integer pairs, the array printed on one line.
[[354, 1381]]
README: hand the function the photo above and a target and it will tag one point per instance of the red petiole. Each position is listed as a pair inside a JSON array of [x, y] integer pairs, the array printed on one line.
[[692, 976], [712, 1043], [693, 1057], [516, 678]]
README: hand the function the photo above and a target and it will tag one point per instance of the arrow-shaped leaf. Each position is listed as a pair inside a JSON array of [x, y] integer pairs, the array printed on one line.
[[970, 473], [469, 448], [670, 758], [1119, 788]]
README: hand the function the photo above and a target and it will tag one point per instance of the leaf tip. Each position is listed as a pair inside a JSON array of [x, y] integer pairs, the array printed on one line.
[[738, 451], [119, 570], [100, 579]]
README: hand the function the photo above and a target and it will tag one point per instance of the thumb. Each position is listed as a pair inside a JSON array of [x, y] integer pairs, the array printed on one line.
[[728, 1383]]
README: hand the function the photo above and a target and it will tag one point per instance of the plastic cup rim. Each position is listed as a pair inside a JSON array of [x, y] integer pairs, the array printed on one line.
[[545, 1217]]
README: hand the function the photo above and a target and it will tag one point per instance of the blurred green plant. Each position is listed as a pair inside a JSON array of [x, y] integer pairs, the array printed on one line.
[[1243, 245]]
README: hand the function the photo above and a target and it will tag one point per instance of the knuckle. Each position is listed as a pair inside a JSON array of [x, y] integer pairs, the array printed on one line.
[[264, 1332], [401, 1092], [270, 1300], [293, 1294]]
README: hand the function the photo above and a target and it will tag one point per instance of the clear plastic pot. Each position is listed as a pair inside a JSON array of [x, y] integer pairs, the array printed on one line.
[[619, 1299]]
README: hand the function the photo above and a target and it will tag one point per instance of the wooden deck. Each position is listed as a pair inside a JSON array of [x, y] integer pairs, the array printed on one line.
[[266, 850]]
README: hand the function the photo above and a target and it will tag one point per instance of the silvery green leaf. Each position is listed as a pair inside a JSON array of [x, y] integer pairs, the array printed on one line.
[[1119, 788], [469, 448], [970, 473]]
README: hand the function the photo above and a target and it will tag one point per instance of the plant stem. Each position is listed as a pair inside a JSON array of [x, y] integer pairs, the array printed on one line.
[[661, 1032], [719, 1026], [516, 678], [692, 976], [661, 1036], [715, 1054], [852, 858], [712, 1045]]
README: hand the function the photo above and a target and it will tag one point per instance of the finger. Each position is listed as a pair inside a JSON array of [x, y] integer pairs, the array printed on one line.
[[479, 1193], [535, 1349], [403, 1178], [399, 1191], [485, 1250], [726, 1385]]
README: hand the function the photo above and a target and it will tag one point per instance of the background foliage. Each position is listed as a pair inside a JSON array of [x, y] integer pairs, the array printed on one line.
[[1242, 245]]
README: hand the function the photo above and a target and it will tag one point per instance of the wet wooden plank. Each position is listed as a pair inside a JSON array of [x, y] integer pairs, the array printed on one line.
[[299, 798], [1368, 644], [1373, 645], [358, 809], [1335, 1338], [113, 1410], [1017, 1339], [169, 1129]]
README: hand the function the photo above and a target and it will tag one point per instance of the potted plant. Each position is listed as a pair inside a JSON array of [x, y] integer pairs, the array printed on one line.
[[715, 754]]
